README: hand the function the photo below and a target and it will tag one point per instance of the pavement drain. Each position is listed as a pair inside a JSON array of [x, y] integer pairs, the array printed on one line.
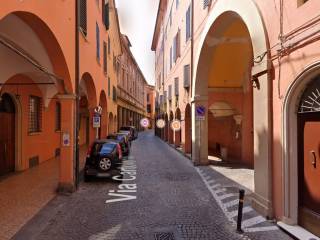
[[164, 236]]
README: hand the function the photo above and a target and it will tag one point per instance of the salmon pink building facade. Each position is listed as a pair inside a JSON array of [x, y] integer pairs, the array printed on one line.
[[41, 77], [243, 79]]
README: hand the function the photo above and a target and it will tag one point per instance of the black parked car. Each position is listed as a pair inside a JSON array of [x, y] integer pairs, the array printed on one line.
[[103, 158], [123, 140], [133, 133]]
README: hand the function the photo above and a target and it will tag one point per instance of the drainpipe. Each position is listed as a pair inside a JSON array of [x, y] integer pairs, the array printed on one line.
[[192, 41], [76, 133]]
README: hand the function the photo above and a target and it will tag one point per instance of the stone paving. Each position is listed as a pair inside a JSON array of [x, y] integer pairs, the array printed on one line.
[[23, 194], [171, 201]]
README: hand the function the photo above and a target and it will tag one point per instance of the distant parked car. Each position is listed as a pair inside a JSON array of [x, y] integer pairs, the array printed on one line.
[[103, 158], [132, 130], [123, 140]]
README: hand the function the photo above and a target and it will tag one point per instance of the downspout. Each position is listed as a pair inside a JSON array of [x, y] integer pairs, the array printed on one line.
[[191, 63], [76, 129]]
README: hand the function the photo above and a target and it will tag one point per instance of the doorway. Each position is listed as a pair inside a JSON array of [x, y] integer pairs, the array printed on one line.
[[7, 135], [308, 158]]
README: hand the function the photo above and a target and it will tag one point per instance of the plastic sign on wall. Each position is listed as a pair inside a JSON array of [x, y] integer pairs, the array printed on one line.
[[66, 139], [96, 121], [200, 113]]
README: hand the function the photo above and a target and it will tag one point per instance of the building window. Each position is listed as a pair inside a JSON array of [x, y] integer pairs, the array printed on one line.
[[105, 14], [170, 92], [98, 41], [176, 46], [177, 4], [83, 17], [170, 17], [186, 76], [176, 86], [34, 114], [109, 86], [105, 66], [206, 3], [58, 116], [188, 24], [148, 108], [109, 45], [114, 93], [170, 58], [301, 2], [148, 97]]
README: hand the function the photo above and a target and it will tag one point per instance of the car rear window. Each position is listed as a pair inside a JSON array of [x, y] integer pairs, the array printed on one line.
[[103, 147], [120, 137], [107, 148]]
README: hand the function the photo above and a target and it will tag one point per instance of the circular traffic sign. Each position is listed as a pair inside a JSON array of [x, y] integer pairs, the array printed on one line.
[[176, 125], [144, 122], [160, 123]]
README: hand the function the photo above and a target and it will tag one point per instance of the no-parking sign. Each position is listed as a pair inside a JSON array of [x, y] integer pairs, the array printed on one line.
[[200, 113], [144, 122]]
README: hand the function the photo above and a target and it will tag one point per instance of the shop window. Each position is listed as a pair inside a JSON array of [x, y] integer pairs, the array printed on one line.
[[35, 114], [58, 116], [83, 17]]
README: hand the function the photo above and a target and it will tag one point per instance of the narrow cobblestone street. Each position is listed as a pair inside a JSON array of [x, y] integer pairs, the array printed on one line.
[[172, 202]]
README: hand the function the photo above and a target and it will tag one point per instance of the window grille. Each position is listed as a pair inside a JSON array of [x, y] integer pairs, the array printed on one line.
[[58, 116], [35, 114], [83, 16]]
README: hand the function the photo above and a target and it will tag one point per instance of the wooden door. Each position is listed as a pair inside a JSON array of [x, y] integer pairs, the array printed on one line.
[[7, 135], [309, 172]]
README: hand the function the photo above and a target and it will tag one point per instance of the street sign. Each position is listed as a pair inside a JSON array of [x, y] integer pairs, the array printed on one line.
[[66, 139], [200, 113], [160, 123], [96, 121], [144, 122], [176, 125]]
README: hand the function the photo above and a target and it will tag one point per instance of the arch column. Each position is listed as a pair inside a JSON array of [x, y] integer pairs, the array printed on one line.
[[200, 133], [68, 126]]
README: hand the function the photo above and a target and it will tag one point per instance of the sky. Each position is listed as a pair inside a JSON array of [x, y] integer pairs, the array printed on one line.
[[137, 20]]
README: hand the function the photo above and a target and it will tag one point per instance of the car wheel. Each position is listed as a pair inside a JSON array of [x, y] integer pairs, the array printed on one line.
[[105, 164]]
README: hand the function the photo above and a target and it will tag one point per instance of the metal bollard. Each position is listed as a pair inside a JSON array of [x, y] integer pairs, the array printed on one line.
[[240, 207]]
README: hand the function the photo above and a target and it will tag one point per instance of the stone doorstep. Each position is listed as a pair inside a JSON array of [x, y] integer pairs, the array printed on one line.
[[297, 231]]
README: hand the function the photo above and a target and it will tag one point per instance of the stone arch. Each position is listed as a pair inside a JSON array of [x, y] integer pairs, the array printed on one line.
[[223, 14], [290, 142], [43, 47]]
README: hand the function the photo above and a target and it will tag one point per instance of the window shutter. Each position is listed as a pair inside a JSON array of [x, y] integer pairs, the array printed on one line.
[[176, 86], [178, 44], [186, 76], [170, 58], [83, 16], [98, 41], [188, 24], [170, 93], [106, 15], [104, 57], [174, 51], [114, 93]]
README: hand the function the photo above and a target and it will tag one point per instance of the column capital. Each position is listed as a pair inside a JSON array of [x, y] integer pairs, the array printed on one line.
[[199, 98]]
